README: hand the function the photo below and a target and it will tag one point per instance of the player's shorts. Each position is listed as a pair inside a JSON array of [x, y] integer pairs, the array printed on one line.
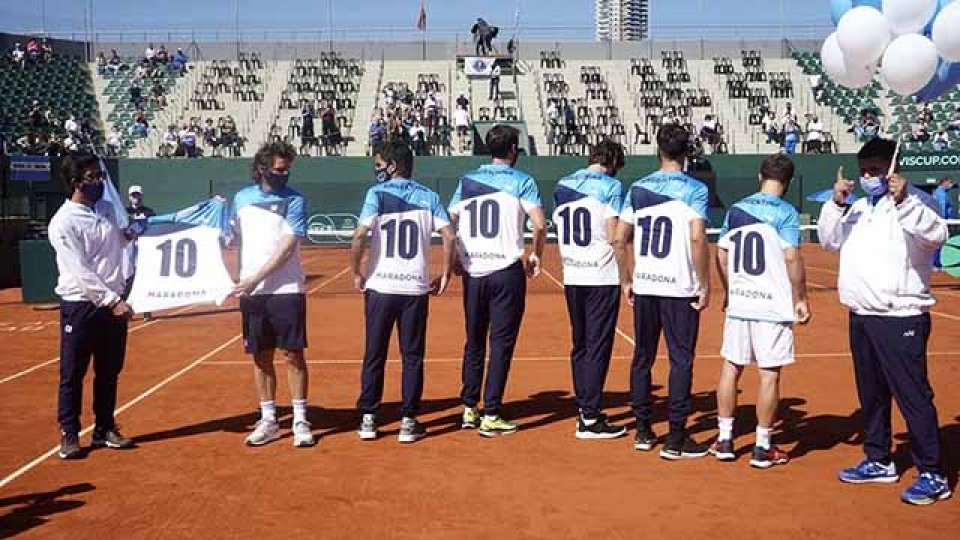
[[274, 321], [766, 344]]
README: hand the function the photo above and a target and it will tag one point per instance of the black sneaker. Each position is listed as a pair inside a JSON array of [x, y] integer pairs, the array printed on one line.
[[764, 458], [723, 450], [681, 446], [110, 438], [70, 446], [645, 439], [601, 428]]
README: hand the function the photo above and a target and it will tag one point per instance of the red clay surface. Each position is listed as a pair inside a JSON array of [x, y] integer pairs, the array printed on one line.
[[187, 397]]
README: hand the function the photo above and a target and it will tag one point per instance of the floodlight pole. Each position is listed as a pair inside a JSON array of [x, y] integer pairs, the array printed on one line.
[[236, 24]]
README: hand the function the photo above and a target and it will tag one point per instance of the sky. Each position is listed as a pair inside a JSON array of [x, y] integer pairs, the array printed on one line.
[[133, 15]]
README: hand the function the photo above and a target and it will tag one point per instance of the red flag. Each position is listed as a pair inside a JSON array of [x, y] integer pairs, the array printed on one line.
[[422, 18]]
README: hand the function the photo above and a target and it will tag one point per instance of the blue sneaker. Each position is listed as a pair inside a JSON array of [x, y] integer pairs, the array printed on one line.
[[928, 488], [870, 471]]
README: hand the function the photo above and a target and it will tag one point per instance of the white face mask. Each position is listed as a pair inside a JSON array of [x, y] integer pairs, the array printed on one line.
[[874, 185]]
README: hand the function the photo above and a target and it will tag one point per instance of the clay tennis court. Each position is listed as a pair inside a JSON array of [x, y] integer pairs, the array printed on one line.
[[187, 397]]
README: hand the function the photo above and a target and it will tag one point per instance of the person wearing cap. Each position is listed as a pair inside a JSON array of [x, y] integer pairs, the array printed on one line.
[[138, 214]]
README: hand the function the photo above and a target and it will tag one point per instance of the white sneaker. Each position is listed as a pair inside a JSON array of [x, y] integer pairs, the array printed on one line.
[[303, 434], [368, 428], [265, 432]]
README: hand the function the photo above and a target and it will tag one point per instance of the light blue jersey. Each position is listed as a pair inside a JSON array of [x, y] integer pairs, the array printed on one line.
[[755, 234], [584, 201], [492, 203], [401, 215], [661, 208], [262, 219]]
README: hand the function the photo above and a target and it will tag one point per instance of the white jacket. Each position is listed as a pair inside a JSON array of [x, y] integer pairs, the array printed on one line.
[[886, 252], [89, 253]]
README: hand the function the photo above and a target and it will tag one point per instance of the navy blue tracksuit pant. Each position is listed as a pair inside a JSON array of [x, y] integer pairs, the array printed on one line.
[[680, 324], [890, 361], [85, 331], [492, 304], [593, 320], [409, 315]]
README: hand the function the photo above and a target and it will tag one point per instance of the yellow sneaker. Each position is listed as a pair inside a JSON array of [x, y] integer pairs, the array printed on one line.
[[491, 427]]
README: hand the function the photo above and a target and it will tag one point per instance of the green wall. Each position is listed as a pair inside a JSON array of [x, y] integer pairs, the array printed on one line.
[[334, 185]]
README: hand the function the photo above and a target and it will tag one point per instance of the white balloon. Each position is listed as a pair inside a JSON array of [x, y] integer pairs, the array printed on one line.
[[946, 32], [909, 16], [838, 69], [863, 34], [910, 62]]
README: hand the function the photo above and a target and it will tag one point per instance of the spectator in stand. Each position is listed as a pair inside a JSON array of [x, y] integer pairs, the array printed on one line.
[[331, 131], [71, 125], [463, 102], [921, 132], [771, 128], [495, 82], [709, 131], [418, 136], [925, 114], [941, 141], [33, 51], [308, 137], [431, 112], [159, 94], [162, 56], [816, 85], [28, 143], [19, 56], [942, 195], [461, 119], [46, 50], [71, 143], [814, 135], [136, 94], [149, 54], [791, 135], [101, 64], [788, 112], [378, 135], [209, 134], [229, 137], [140, 126], [54, 147], [170, 143], [569, 116], [115, 63], [140, 73], [188, 141], [115, 142], [954, 124], [35, 117], [441, 137], [179, 62], [50, 119], [483, 33]]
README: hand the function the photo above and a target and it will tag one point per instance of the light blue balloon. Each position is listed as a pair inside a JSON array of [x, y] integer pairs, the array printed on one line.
[[946, 79], [871, 3], [838, 8]]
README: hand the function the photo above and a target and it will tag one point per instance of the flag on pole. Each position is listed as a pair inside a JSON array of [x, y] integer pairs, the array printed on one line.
[[422, 18]]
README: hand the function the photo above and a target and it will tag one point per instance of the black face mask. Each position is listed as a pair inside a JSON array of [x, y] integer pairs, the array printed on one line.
[[382, 175], [93, 192], [276, 180]]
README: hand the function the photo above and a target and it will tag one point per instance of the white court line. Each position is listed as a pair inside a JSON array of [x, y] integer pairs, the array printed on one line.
[[542, 359], [932, 312], [49, 453], [620, 332], [57, 359], [327, 282]]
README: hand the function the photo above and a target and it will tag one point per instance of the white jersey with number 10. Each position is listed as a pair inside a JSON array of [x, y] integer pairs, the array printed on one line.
[[661, 208], [584, 201], [755, 233]]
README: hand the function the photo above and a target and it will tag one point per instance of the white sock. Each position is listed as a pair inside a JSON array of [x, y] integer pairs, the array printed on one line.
[[763, 437], [489, 418], [268, 411], [299, 410], [726, 428]]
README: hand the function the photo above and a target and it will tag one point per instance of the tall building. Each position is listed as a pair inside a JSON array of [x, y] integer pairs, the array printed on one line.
[[621, 20]]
